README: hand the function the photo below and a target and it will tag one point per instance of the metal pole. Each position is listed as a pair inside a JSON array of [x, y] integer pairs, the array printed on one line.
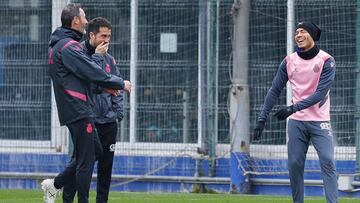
[[239, 97], [289, 46], [58, 133], [357, 98], [185, 117], [212, 90], [239, 93], [202, 74], [133, 67], [290, 28]]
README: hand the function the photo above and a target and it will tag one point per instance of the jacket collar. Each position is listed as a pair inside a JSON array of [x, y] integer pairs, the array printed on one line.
[[307, 55]]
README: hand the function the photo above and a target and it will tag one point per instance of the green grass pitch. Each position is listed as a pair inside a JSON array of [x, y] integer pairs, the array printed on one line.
[[35, 196]]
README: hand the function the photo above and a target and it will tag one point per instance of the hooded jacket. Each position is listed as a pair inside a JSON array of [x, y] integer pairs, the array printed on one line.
[[72, 71], [107, 108]]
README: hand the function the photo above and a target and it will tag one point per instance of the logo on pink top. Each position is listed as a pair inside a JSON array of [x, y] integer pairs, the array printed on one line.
[[316, 68]]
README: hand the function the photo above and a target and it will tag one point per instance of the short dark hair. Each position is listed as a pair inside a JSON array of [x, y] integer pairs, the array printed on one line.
[[95, 24], [68, 14]]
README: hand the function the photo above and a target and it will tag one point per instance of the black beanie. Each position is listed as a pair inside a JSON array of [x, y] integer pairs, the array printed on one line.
[[311, 28]]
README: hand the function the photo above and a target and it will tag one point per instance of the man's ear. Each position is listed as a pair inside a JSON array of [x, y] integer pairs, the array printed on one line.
[[91, 35], [75, 21]]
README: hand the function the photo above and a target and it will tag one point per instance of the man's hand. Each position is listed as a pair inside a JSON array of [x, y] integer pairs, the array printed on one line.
[[260, 125], [102, 48], [285, 112], [127, 86], [113, 92]]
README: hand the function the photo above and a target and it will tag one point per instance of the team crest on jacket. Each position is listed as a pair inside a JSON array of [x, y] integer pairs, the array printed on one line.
[[107, 68], [89, 128]]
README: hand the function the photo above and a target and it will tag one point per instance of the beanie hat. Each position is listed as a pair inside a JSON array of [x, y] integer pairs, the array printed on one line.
[[311, 28]]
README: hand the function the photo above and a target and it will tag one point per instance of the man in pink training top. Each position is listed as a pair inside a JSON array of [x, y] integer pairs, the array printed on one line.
[[311, 72]]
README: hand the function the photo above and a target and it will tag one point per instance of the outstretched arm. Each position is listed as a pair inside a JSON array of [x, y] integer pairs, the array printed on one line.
[[278, 84], [273, 94]]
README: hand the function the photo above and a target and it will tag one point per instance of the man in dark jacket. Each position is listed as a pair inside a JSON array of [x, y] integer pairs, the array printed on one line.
[[72, 71], [108, 108]]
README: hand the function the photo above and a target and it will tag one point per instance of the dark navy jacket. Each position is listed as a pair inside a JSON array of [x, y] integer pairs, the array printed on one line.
[[72, 72], [107, 108]]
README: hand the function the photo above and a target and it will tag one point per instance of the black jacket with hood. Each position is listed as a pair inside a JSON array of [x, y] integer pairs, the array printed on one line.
[[72, 71], [107, 108]]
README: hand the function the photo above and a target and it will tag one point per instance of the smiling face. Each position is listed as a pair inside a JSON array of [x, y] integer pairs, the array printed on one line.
[[303, 39]]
